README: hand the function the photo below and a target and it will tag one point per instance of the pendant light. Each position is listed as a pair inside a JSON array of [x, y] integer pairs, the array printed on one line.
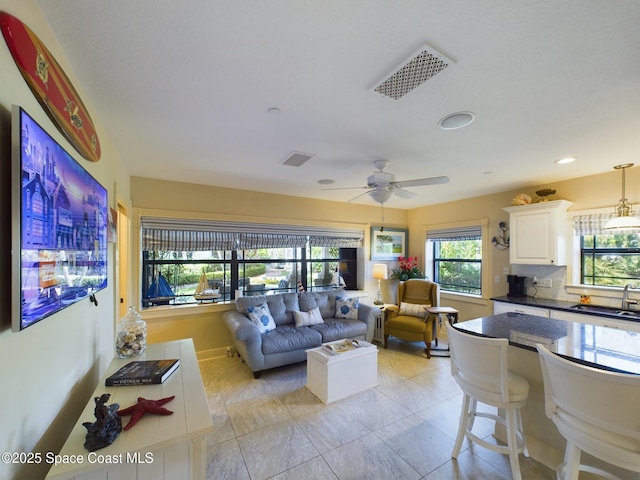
[[625, 218]]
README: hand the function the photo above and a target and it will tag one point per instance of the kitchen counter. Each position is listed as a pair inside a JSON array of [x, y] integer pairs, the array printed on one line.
[[561, 305], [598, 346]]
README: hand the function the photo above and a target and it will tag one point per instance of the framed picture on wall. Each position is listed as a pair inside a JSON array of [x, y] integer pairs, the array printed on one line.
[[389, 244]]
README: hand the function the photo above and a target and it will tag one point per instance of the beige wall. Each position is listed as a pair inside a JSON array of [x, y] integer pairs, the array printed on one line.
[[50, 369]]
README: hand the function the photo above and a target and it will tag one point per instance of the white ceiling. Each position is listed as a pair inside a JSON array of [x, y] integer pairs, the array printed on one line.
[[183, 89]]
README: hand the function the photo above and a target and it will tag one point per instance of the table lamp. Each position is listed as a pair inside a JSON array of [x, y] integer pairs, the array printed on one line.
[[379, 273]]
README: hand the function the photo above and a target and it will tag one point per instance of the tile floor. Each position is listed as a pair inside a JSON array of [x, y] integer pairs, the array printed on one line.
[[274, 428]]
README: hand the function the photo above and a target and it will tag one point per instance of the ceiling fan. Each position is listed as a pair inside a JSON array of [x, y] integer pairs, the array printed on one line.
[[382, 185]]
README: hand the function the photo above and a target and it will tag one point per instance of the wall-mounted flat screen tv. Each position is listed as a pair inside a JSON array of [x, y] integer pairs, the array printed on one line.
[[59, 226]]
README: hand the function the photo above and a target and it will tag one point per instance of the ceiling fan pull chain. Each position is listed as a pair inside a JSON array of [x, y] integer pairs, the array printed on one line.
[[382, 217]]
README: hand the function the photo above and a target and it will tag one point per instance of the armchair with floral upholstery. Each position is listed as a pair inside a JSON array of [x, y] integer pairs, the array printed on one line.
[[409, 320]]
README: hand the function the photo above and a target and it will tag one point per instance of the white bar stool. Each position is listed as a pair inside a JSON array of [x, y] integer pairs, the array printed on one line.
[[595, 410], [479, 367]]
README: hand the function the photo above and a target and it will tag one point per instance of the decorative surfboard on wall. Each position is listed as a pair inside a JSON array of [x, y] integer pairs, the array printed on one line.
[[51, 86]]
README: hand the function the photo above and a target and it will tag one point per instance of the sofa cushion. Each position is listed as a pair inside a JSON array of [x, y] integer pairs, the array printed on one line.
[[325, 301], [338, 328], [305, 319], [280, 306], [347, 307], [261, 317], [287, 338]]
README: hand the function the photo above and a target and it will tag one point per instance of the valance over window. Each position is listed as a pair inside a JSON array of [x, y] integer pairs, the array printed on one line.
[[470, 232], [592, 224], [197, 235]]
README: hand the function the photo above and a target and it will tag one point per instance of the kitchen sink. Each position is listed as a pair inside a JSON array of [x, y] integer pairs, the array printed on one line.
[[618, 312]]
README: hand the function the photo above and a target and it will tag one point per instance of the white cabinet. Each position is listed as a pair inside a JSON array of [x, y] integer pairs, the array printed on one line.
[[501, 307], [539, 233]]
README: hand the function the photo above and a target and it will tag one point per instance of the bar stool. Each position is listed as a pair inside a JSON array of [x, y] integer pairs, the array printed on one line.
[[595, 410], [452, 316], [479, 367]]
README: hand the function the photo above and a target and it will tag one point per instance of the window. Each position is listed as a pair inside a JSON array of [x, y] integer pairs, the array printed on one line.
[[606, 259], [242, 257], [610, 260], [456, 258]]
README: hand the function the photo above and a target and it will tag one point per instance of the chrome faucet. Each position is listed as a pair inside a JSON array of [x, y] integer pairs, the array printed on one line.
[[626, 303]]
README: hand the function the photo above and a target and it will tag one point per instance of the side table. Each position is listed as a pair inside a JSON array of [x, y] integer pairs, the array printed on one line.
[[452, 316], [378, 330]]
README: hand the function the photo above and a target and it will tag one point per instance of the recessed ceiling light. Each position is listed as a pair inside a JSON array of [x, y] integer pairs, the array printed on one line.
[[564, 161], [457, 120], [326, 181]]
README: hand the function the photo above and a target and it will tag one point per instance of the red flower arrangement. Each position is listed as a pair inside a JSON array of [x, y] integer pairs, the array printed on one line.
[[407, 269]]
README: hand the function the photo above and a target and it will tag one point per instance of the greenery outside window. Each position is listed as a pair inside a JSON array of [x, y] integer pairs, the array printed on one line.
[[610, 260], [457, 265], [606, 259], [257, 271], [455, 255]]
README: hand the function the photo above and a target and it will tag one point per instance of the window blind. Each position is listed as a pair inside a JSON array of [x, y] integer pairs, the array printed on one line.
[[192, 235], [591, 224], [469, 232]]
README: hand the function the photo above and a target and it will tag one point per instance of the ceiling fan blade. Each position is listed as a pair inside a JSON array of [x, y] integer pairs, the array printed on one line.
[[406, 194], [344, 188], [361, 195], [419, 182]]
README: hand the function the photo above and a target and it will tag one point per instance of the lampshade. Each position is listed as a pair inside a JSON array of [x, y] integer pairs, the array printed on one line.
[[380, 196], [625, 216], [622, 223], [380, 271]]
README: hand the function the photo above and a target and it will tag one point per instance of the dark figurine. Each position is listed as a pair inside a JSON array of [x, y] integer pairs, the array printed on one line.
[[107, 426]]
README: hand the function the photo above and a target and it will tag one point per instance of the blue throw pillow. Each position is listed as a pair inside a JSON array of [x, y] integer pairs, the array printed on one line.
[[347, 307], [261, 317]]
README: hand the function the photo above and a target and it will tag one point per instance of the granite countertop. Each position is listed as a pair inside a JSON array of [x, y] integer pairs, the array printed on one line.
[[563, 306], [602, 347]]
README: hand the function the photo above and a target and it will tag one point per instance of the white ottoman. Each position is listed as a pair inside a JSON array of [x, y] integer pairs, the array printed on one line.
[[334, 376]]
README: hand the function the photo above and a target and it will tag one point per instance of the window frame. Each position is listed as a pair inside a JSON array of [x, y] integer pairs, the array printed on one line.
[[483, 223], [579, 223], [437, 260], [353, 272], [594, 251]]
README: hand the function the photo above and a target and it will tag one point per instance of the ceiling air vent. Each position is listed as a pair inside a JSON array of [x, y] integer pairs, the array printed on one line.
[[417, 69], [297, 159]]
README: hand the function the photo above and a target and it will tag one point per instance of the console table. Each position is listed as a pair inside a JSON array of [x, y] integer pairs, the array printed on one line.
[[157, 447]]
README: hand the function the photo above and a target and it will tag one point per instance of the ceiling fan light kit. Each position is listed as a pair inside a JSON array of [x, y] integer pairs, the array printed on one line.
[[382, 185]]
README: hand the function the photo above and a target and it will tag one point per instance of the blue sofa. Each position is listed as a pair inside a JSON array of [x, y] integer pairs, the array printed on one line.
[[286, 343]]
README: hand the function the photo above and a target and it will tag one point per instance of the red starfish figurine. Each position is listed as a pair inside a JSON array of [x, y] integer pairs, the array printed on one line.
[[145, 406]]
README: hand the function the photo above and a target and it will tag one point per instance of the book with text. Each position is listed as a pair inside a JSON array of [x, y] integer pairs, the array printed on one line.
[[143, 372]]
